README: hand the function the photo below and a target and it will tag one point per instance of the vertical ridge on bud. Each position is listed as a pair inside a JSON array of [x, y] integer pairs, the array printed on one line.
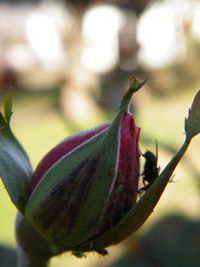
[[125, 188]]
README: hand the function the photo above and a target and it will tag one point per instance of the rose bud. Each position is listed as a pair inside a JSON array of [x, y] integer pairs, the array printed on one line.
[[87, 183]]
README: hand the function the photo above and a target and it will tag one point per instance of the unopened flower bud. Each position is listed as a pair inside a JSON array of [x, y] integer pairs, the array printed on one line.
[[87, 183]]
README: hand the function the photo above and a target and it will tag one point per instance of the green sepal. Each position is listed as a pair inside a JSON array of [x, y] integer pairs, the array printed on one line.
[[134, 86], [104, 149], [8, 107], [38, 212], [15, 168], [192, 123]]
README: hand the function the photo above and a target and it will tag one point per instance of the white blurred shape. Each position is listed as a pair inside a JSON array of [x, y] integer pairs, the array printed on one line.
[[156, 34], [101, 26], [60, 15], [44, 39], [196, 21], [20, 57], [159, 35]]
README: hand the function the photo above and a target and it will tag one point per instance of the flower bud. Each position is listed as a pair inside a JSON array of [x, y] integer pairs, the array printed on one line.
[[86, 184]]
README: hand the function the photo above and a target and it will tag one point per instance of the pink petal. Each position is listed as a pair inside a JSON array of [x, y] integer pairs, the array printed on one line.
[[125, 191], [129, 151]]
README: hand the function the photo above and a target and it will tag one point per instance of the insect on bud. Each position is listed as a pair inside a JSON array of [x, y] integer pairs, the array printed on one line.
[[151, 170]]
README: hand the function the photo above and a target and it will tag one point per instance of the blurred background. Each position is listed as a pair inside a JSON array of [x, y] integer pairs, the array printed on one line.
[[69, 63]]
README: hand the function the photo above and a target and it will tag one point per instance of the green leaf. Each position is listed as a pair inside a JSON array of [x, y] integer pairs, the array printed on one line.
[[192, 123], [15, 168]]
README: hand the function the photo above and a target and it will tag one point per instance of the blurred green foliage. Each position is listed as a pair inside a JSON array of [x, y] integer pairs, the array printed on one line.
[[173, 241]]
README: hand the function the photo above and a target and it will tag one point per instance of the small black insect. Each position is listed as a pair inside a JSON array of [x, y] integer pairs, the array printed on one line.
[[151, 170]]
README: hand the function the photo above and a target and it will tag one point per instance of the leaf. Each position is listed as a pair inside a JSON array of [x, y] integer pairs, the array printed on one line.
[[192, 123], [15, 168]]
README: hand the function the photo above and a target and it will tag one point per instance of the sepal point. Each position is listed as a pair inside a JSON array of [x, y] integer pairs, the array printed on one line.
[[192, 123], [134, 86]]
